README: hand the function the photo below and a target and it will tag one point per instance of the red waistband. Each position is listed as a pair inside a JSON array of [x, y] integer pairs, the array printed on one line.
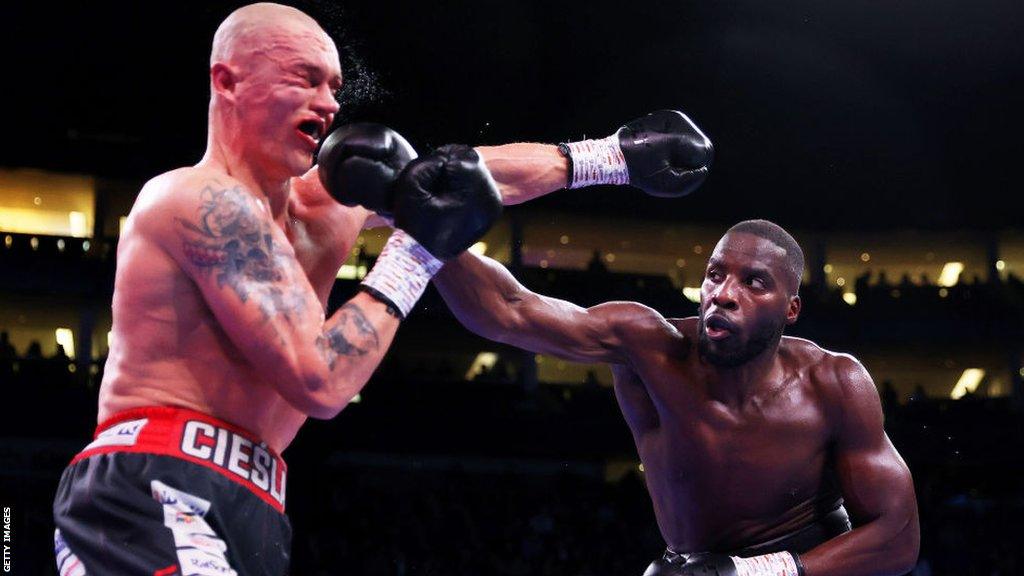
[[198, 438]]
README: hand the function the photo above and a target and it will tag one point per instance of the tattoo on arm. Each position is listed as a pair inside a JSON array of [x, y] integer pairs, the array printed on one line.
[[229, 239], [353, 335]]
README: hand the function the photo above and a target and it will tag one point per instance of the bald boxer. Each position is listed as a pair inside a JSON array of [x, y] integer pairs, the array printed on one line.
[[221, 348], [754, 445]]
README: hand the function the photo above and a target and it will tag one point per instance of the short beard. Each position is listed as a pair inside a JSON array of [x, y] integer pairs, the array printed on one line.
[[765, 335]]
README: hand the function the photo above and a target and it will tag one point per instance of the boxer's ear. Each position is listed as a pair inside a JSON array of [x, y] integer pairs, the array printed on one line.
[[793, 312], [223, 80]]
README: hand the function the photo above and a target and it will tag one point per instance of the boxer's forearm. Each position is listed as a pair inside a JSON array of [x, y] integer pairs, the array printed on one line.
[[488, 300], [885, 546], [525, 171], [478, 291]]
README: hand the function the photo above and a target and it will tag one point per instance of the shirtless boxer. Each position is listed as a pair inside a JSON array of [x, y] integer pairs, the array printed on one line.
[[751, 442], [221, 348]]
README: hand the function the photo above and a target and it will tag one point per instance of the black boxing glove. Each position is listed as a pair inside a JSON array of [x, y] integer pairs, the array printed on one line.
[[710, 564], [447, 200], [664, 154], [444, 202], [359, 163]]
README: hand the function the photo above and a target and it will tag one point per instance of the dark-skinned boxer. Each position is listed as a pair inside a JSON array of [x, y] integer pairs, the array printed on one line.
[[754, 445], [221, 347]]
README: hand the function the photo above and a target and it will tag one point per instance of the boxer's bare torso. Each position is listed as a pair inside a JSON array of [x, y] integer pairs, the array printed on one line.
[[722, 476], [169, 349], [746, 436]]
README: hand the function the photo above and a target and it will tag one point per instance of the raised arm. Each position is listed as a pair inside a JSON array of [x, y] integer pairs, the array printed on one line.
[[485, 297], [876, 486], [663, 153], [526, 171], [223, 238]]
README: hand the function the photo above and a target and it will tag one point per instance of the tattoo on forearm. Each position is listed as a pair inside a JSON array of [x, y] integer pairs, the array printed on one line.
[[228, 238], [353, 335]]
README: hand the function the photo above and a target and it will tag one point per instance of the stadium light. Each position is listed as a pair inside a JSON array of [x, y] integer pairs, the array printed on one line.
[[950, 274], [968, 382], [482, 360], [66, 338]]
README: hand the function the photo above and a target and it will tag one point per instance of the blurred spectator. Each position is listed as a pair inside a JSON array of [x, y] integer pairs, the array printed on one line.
[[7, 351], [883, 281], [34, 351], [7, 357], [919, 395], [60, 354], [890, 400], [596, 264]]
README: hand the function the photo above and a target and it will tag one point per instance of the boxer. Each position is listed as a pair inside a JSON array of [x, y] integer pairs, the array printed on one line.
[[221, 348], [754, 444]]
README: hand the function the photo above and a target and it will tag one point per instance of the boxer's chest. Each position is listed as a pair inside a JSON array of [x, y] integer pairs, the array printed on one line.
[[756, 462]]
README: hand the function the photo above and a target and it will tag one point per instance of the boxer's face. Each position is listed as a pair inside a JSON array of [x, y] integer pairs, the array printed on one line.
[[746, 300], [285, 97]]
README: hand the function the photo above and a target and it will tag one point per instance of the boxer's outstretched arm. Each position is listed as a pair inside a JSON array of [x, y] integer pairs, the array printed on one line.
[[525, 171], [876, 486], [522, 171], [224, 239], [488, 300]]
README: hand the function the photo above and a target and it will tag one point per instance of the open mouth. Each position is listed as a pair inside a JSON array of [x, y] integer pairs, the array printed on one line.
[[718, 328], [311, 128]]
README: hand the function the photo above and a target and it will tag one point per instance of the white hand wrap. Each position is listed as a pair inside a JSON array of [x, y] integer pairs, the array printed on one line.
[[402, 272], [597, 162], [777, 564]]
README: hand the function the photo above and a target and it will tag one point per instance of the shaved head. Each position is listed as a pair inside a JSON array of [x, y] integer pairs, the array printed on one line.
[[794, 256], [257, 28], [274, 74]]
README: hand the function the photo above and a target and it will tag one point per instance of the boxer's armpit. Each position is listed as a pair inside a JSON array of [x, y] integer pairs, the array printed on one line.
[[353, 335], [229, 239]]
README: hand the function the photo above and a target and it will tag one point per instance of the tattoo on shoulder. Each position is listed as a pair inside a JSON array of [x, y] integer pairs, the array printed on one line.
[[228, 238], [353, 335]]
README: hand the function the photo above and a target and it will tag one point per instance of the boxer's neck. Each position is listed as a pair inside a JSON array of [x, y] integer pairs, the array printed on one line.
[[735, 386], [273, 189]]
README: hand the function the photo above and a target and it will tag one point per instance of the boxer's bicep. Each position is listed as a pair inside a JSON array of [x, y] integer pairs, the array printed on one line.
[[247, 274], [874, 479], [875, 483]]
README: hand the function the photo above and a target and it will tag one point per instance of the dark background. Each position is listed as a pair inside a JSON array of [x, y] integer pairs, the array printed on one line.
[[856, 116], [912, 108]]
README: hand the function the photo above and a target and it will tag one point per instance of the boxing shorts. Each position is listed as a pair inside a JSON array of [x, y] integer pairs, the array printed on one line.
[[166, 491], [801, 540]]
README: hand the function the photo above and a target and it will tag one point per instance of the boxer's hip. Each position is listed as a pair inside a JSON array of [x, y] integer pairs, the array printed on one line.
[[197, 438], [801, 540], [164, 489]]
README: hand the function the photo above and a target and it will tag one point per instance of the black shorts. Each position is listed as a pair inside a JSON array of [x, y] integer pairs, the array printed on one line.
[[799, 541], [142, 500]]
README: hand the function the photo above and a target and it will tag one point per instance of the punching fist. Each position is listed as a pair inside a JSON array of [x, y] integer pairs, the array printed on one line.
[[359, 163], [663, 153], [444, 202], [447, 200]]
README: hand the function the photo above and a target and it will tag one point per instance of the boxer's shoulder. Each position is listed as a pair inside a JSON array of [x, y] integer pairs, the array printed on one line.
[[835, 376], [686, 326], [633, 320], [184, 188]]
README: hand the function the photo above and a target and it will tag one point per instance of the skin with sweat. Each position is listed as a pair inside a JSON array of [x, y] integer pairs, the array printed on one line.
[[224, 267], [745, 435]]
